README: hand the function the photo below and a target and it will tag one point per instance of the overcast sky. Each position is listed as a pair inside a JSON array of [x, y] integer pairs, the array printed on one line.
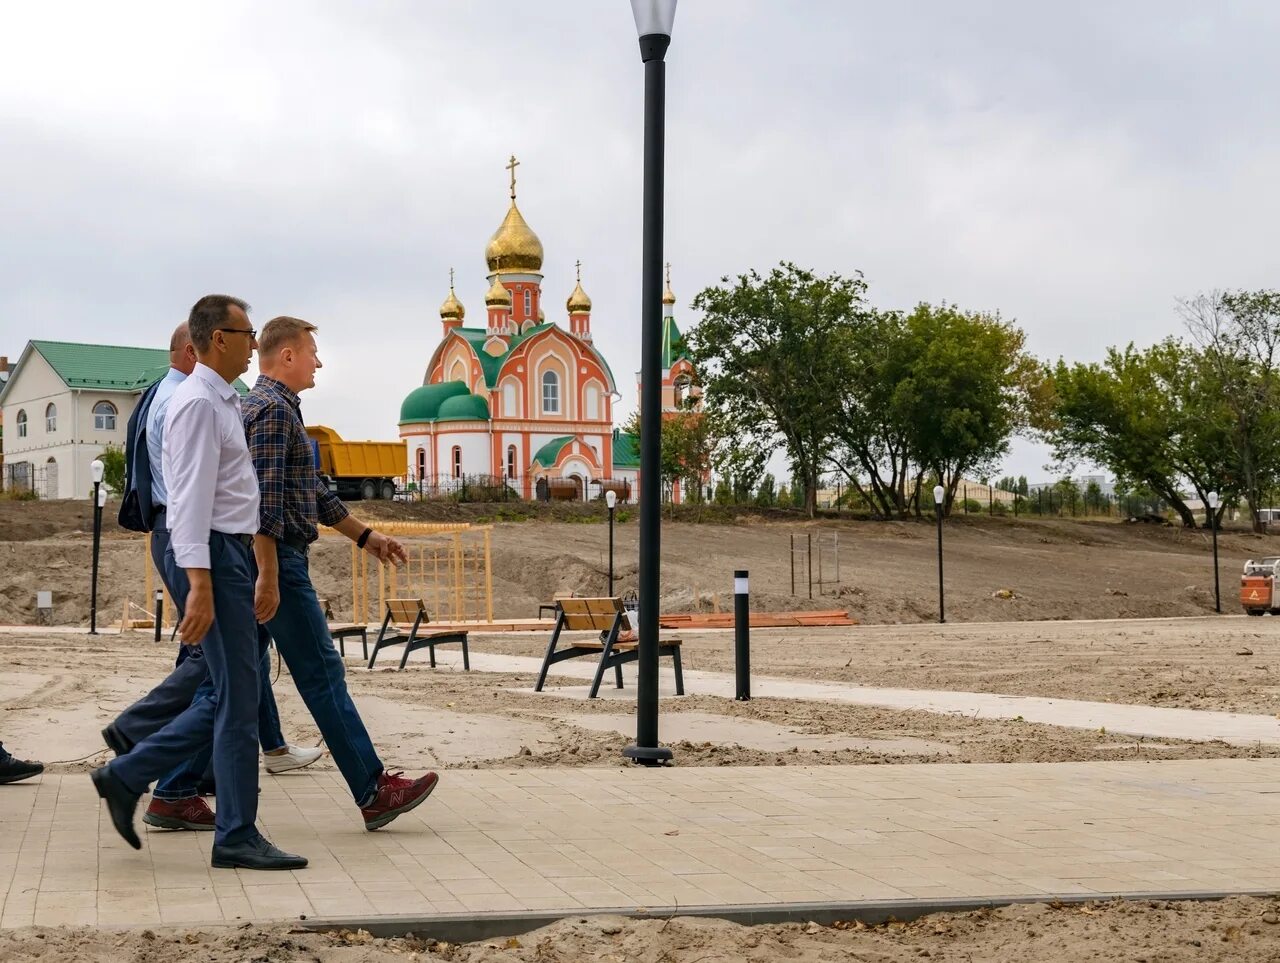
[[1075, 169]]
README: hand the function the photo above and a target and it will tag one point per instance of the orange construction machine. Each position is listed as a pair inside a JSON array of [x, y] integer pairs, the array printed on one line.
[[1257, 586]]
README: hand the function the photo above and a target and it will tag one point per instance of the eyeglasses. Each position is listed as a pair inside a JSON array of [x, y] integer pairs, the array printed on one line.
[[251, 332]]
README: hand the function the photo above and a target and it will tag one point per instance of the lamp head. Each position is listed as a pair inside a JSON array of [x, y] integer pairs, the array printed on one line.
[[654, 19], [102, 497], [611, 499], [96, 469], [939, 494], [1213, 499]]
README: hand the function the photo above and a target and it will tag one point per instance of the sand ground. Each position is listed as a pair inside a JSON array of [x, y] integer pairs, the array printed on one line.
[[57, 690]]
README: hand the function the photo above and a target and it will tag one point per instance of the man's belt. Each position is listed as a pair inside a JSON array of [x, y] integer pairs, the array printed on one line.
[[295, 542]]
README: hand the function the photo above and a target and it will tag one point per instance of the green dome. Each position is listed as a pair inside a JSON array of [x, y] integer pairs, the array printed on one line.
[[464, 408], [423, 404]]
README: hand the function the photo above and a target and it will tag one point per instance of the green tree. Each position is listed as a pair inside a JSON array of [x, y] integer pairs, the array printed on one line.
[[685, 450], [767, 493], [1239, 335], [1153, 417], [769, 355], [113, 468]]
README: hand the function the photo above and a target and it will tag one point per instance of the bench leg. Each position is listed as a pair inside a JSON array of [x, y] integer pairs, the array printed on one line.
[[551, 648], [617, 674], [364, 642], [342, 649], [675, 659], [604, 659], [431, 655], [466, 657], [405, 658], [377, 644]]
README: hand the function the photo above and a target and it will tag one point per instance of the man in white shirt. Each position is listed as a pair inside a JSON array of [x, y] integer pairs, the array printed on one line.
[[212, 514]]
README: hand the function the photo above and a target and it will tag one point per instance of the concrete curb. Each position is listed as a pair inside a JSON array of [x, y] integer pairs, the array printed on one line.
[[470, 927]]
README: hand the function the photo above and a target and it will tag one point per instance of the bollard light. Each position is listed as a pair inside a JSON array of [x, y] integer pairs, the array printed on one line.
[[96, 468], [610, 500], [742, 636]]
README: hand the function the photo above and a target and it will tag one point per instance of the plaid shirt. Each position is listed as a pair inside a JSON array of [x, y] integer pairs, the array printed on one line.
[[293, 495]]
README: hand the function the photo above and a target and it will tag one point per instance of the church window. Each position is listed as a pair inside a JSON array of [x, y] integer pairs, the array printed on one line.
[[592, 397], [509, 400], [104, 416], [459, 372], [511, 461], [22, 423], [457, 462], [528, 303], [550, 393], [422, 463], [51, 418]]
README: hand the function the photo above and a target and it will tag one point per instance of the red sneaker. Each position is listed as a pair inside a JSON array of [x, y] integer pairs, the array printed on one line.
[[193, 813], [396, 795]]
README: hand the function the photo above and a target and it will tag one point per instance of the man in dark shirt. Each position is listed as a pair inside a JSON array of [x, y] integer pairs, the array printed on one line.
[[293, 500]]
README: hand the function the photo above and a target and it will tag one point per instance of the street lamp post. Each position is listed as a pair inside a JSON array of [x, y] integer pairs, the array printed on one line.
[[654, 19], [939, 496], [611, 501], [1213, 524], [96, 468]]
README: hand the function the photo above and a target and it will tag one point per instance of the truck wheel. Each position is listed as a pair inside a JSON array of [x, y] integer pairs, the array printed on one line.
[[368, 490], [1255, 611], [388, 490]]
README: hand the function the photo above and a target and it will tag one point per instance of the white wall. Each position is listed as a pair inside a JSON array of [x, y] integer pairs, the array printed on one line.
[[475, 452]]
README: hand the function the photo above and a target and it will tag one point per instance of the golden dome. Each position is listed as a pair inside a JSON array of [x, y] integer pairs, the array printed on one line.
[[578, 302], [452, 309], [542, 315], [497, 295], [668, 296], [514, 246]]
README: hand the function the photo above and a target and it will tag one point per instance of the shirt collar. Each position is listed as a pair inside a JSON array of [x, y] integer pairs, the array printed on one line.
[[175, 376], [279, 388], [214, 380]]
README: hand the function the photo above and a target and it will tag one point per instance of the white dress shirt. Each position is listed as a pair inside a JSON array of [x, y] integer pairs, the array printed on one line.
[[212, 486], [155, 433]]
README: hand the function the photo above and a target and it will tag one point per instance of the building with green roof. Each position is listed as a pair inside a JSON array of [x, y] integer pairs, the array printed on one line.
[[63, 403]]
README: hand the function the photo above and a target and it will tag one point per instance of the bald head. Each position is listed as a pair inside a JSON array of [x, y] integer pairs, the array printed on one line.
[[182, 353]]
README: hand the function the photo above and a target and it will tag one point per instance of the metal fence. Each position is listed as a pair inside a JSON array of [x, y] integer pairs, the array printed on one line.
[[494, 488], [31, 480]]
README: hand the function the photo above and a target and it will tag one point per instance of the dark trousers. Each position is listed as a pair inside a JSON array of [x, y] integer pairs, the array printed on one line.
[[183, 685], [232, 654], [302, 637]]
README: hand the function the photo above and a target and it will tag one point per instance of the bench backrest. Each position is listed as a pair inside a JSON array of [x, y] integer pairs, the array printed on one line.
[[407, 610], [585, 614]]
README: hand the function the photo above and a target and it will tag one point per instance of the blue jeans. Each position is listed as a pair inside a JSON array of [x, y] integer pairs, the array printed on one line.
[[229, 717], [184, 781], [302, 637]]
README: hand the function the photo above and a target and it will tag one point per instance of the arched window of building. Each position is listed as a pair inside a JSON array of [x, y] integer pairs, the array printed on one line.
[[104, 416], [509, 409], [528, 303], [457, 462], [22, 423], [550, 393], [458, 372], [511, 461], [682, 389], [51, 418], [422, 463], [592, 402]]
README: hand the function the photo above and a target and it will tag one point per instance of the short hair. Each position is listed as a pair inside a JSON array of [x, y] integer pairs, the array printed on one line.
[[207, 314], [281, 331], [181, 338]]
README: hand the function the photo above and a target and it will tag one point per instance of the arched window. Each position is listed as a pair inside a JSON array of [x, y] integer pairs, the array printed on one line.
[[511, 461], [682, 389], [550, 393], [592, 396], [22, 423], [528, 303], [422, 463], [509, 409], [51, 418], [457, 462], [104, 416], [458, 372]]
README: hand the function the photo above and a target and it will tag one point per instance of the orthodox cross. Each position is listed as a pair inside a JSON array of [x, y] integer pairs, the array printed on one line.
[[511, 166], [578, 265], [450, 279]]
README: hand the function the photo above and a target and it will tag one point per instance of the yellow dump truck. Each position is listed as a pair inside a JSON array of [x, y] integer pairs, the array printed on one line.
[[358, 469]]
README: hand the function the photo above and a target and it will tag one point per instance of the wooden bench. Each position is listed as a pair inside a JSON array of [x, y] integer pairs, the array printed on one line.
[[339, 631], [605, 616], [404, 618], [554, 605]]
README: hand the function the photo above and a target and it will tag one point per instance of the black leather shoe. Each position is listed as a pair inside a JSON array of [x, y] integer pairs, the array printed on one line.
[[11, 770], [115, 741], [255, 854], [121, 804]]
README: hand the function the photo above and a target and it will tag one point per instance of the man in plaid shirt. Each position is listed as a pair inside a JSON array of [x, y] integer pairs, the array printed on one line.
[[293, 500]]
